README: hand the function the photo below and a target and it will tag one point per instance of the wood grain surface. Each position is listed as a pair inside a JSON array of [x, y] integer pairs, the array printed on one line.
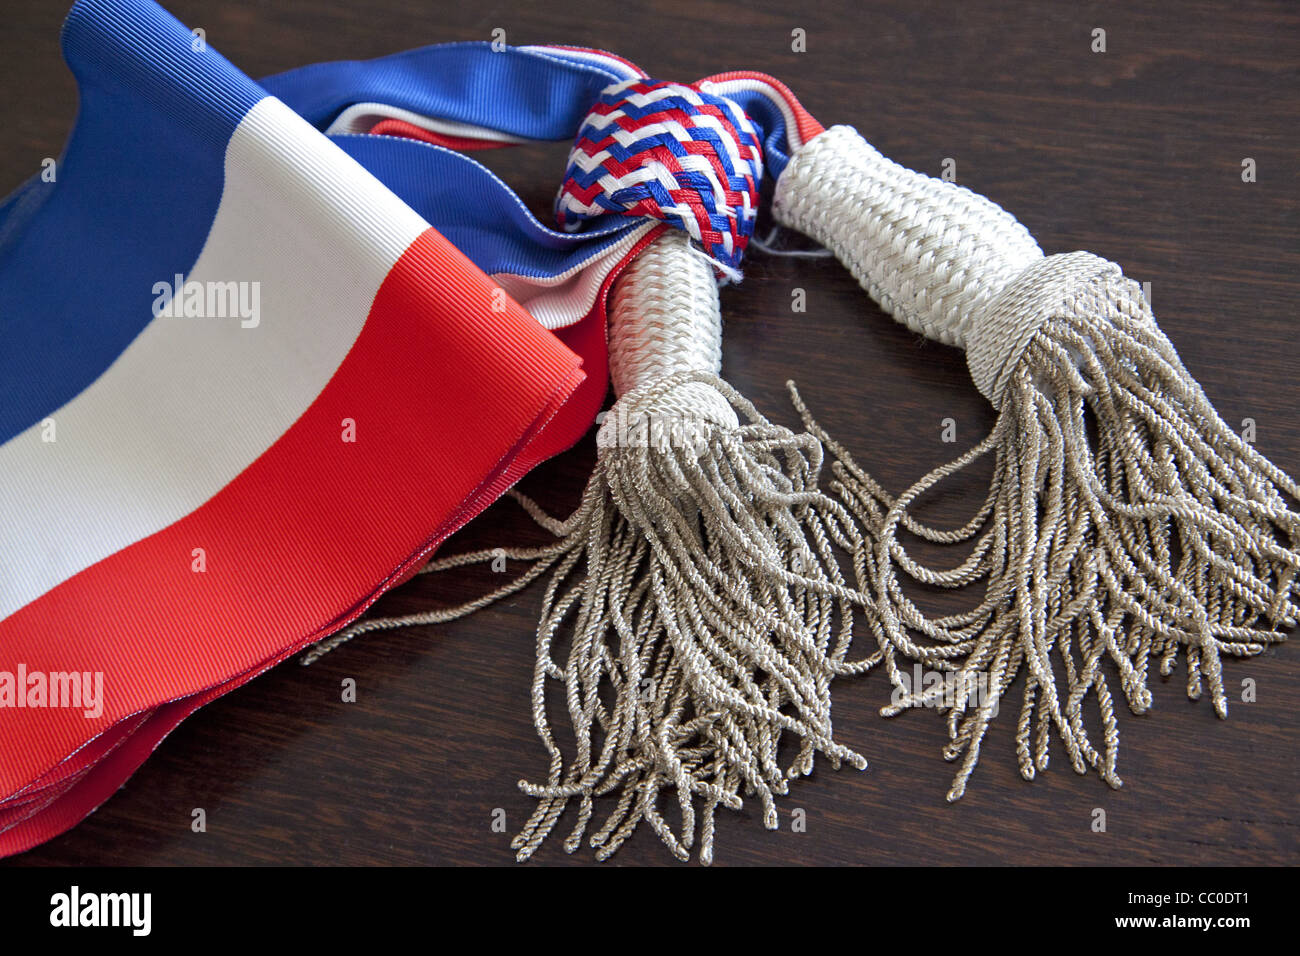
[[1135, 154]]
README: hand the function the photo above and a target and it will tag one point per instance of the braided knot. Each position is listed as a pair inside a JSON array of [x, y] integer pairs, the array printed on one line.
[[669, 152]]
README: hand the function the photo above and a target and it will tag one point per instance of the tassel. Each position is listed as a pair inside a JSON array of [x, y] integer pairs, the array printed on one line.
[[699, 585], [1125, 520], [697, 610]]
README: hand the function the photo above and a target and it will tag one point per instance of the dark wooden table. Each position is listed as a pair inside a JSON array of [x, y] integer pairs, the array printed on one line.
[[1135, 154]]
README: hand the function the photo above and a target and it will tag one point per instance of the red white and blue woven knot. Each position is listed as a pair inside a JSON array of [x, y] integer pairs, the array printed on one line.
[[671, 152]]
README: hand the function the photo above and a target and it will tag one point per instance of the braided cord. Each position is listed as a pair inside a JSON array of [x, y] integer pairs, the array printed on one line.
[[693, 160], [671, 152], [664, 320], [664, 316], [933, 254]]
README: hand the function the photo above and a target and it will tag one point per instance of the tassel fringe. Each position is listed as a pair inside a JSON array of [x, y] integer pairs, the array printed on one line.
[[1125, 520], [706, 615]]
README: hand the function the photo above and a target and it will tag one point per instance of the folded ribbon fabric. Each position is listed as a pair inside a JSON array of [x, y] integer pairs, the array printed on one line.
[[248, 388], [262, 361]]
